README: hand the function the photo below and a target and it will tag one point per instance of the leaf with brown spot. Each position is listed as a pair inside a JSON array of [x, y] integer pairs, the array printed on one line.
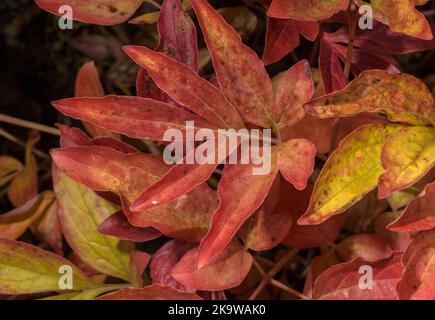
[[407, 156], [102, 12], [402, 97], [224, 271], [240, 72], [351, 171]]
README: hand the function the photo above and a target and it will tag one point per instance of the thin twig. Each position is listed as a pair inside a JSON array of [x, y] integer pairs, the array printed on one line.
[[259, 268], [14, 139], [275, 269], [153, 3], [29, 124], [352, 31], [292, 291]]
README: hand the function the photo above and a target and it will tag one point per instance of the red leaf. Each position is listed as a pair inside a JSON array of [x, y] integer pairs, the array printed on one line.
[[133, 116], [418, 280], [342, 281], [153, 292], [182, 84], [185, 218], [226, 270], [419, 214], [283, 36], [369, 247], [102, 12], [165, 259], [267, 227], [306, 10], [138, 262], [235, 207], [331, 70], [240, 72], [117, 225], [301, 236]]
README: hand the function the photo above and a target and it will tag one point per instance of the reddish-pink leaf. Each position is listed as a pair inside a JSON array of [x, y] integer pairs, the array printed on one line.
[[240, 72], [296, 202], [331, 69], [295, 88], [318, 265], [226, 270], [419, 214], [296, 161], [88, 85], [398, 241], [165, 259], [153, 292], [306, 10], [182, 84], [102, 12], [104, 169], [133, 116], [369, 247], [117, 225], [235, 207], [343, 281], [418, 280], [138, 262], [283, 36], [267, 227]]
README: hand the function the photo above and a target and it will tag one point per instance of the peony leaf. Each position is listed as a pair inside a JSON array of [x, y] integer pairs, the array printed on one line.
[[398, 241], [306, 10], [138, 262], [27, 269], [165, 259], [343, 281], [13, 224], [226, 270], [127, 175], [419, 214], [402, 97], [182, 84], [9, 168], [102, 12], [133, 116], [117, 226], [48, 229], [153, 292], [234, 211], [24, 186], [294, 89], [331, 70], [369, 247], [407, 156], [401, 16], [80, 213], [90, 294], [296, 161], [351, 171], [240, 72], [417, 281]]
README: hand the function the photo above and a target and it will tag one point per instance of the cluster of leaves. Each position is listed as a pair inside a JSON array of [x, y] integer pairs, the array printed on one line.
[[110, 199]]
